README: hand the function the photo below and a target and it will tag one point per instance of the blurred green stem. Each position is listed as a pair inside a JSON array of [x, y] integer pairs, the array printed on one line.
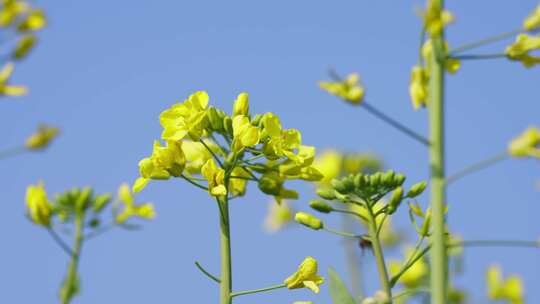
[[439, 260], [10, 152], [477, 167], [379, 257], [482, 42], [70, 286]]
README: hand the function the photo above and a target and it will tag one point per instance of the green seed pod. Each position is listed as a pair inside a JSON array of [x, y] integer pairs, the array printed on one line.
[[100, 202], [399, 179], [395, 200], [308, 220], [321, 206], [326, 193], [216, 122], [270, 183], [417, 189], [227, 126]]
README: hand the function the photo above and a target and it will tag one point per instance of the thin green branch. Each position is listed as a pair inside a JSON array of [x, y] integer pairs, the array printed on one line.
[[350, 212], [385, 216], [208, 274], [479, 56], [58, 240], [193, 182], [12, 152], [241, 293], [211, 152], [344, 234], [477, 167], [407, 292], [99, 231], [482, 42]]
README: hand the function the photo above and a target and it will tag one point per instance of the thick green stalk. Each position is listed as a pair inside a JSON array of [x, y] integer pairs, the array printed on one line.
[[70, 285], [379, 257], [439, 260], [225, 240]]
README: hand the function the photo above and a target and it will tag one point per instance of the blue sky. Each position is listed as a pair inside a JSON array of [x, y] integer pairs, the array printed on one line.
[[104, 70]]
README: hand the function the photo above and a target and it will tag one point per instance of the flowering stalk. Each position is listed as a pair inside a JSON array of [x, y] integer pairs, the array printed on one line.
[[70, 285], [439, 259], [225, 241]]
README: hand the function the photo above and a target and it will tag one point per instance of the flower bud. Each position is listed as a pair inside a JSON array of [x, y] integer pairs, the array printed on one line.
[[83, 198], [270, 183], [227, 126], [42, 138], [326, 193], [375, 179], [100, 202], [321, 206], [395, 200], [339, 186], [359, 181], [24, 45], [416, 189], [399, 179], [216, 122], [388, 178], [256, 120], [241, 106], [308, 220]]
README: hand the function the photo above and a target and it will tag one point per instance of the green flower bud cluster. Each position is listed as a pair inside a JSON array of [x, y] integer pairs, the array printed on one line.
[[77, 200]]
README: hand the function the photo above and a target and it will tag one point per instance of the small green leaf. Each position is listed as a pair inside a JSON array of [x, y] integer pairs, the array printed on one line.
[[338, 291]]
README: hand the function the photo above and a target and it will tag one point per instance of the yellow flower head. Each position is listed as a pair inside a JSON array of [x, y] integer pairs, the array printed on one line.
[[197, 154], [215, 177], [281, 143], [279, 216], [533, 20], [415, 275], [349, 89], [510, 289], [5, 88], [37, 203], [41, 138], [526, 144], [521, 48], [185, 119], [145, 211], [165, 162], [34, 21], [306, 276], [10, 10], [435, 19], [245, 134], [241, 105], [418, 87]]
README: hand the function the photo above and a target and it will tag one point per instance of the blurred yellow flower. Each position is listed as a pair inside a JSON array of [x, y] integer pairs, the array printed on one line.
[[526, 144], [35, 20], [329, 165], [5, 88], [279, 216], [349, 89], [533, 20], [306, 276], [41, 138], [519, 50], [418, 87], [435, 18], [37, 203], [145, 211], [415, 275], [510, 289]]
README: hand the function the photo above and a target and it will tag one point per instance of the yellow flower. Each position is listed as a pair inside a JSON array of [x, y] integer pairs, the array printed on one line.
[[162, 164], [9, 90], [41, 138], [37, 203], [245, 134], [510, 289], [10, 10], [35, 20], [526, 144], [418, 87], [451, 65], [329, 165], [519, 50], [279, 216], [197, 154], [279, 142], [241, 105], [415, 275], [349, 89], [238, 181], [435, 19], [533, 20], [145, 211], [306, 276], [215, 177], [185, 119]]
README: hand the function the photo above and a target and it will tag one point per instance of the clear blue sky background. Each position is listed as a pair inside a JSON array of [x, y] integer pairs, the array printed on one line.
[[104, 70]]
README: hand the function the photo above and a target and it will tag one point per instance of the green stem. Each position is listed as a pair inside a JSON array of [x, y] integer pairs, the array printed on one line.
[[485, 41], [241, 293], [477, 167], [379, 257], [439, 259], [225, 240], [349, 212], [343, 234], [12, 152], [479, 56], [70, 285], [194, 183], [208, 274], [58, 240]]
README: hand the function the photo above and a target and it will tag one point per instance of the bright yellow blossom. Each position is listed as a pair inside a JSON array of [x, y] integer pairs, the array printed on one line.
[[435, 19], [5, 88], [418, 87], [245, 134], [510, 289], [526, 144], [185, 119], [145, 211], [279, 142], [162, 164], [519, 50], [216, 178], [41, 138], [415, 275], [533, 20], [279, 216], [37, 203], [306, 276], [349, 89]]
